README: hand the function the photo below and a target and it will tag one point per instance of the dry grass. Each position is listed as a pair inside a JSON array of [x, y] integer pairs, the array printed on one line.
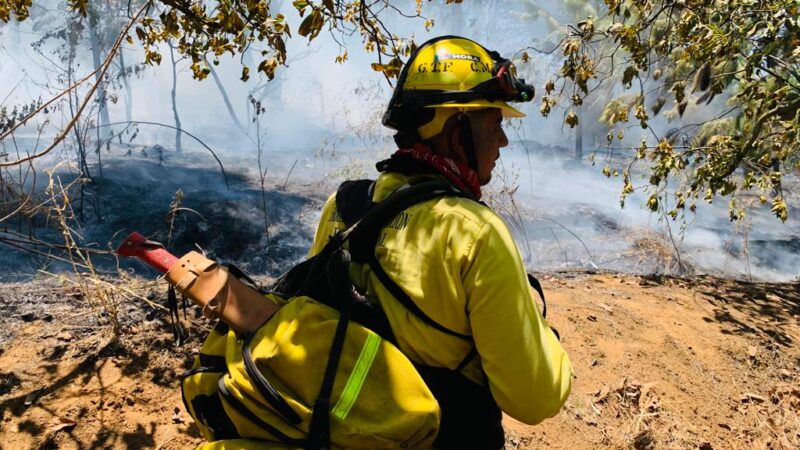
[[100, 298], [104, 296], [653, 252], [639, 408]]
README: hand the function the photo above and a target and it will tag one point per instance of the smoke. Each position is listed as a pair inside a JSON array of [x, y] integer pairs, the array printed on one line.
[[322, 125], [572, 219]]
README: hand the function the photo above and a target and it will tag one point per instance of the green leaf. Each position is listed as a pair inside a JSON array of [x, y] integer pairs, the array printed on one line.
[[305, 26], [628, 75], [571, 119]]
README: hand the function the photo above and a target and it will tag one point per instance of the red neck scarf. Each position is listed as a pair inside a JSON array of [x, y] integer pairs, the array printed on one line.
[[457, 173]]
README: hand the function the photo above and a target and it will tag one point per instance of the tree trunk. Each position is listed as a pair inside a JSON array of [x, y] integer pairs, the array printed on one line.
[[83, 166], [73, 96], [579, 141], [178, 148], [94, 41], [225, 98], [127, 84]]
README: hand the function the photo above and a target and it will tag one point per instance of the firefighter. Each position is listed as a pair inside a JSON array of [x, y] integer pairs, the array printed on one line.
[[453, 257]]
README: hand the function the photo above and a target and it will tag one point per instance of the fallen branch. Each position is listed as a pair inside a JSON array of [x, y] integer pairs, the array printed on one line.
[[16, 245], [145, 122]]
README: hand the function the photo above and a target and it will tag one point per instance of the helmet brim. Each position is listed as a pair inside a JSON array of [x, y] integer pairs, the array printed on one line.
[[507, 110]]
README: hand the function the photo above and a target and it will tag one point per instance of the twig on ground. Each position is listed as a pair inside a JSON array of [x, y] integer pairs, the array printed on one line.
[[286, 181], [591, 258]]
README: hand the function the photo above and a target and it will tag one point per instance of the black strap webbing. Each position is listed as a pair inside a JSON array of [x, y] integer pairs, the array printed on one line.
[[265, 388], [319, 428], [538, 288], [473, 353], [404, 299], [353, 199], [234, 402], [172, 305], [363, 237]]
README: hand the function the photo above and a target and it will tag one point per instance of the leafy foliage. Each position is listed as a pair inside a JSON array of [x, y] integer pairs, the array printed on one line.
[[206, 30], [683, 54], [673, 55], [19, 8], [236, 26]]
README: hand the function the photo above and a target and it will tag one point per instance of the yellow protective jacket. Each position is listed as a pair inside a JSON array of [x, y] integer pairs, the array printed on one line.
[[457, 261]]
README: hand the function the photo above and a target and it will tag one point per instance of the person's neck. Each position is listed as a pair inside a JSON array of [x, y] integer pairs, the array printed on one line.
[[421, 158], [441, 147]]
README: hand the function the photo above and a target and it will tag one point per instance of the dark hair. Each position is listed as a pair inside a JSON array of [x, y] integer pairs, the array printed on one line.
[[408, 137]]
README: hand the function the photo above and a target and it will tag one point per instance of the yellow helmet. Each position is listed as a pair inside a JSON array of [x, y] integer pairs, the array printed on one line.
[[448, 75]]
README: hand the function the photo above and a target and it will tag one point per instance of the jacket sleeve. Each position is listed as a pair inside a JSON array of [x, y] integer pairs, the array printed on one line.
[[328, 225], [529, 373]]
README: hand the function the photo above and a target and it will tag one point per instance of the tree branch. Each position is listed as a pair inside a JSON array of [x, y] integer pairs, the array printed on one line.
[[103, 69], [221, 167]]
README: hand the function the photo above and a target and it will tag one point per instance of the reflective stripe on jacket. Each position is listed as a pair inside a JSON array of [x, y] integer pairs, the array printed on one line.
[[457, 260]]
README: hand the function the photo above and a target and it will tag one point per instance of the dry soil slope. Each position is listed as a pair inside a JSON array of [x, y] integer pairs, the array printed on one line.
[[660, 363]]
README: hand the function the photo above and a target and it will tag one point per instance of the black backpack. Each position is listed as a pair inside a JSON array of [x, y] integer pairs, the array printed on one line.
[[470, 416]]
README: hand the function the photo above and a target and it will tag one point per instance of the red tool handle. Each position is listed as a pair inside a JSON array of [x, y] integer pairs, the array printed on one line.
[[153, 253]]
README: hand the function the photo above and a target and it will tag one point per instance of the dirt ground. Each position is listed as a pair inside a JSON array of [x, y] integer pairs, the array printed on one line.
[[660, 363]]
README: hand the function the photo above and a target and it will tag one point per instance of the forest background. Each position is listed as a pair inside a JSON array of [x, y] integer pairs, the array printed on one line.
[[663, 139], [684, 104]]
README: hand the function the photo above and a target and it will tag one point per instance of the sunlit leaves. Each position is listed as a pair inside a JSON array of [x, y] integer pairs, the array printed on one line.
[[616, 110], [79, 5], [151, 57], [628, 74], [779, 208], [571, 119], [204, 31], [577, 66], [19, 9], [681, 55], [200, 70], [391, 69], [587, 28], [311, 25], [547, 104], [268, 67], [549, 86]]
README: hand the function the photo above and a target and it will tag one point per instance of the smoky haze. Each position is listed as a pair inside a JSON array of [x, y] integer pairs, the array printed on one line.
[[321, 125]]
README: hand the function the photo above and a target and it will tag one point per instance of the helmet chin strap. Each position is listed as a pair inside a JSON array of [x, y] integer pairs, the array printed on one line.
[[467, 141]]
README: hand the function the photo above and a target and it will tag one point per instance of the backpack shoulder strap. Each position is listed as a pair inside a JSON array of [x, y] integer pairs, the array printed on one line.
[[363, 237], [371, 220], [354, 199], [538, 288]]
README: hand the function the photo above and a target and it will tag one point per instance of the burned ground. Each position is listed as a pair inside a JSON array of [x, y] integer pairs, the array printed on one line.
[[660, 362], [137, 194]]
